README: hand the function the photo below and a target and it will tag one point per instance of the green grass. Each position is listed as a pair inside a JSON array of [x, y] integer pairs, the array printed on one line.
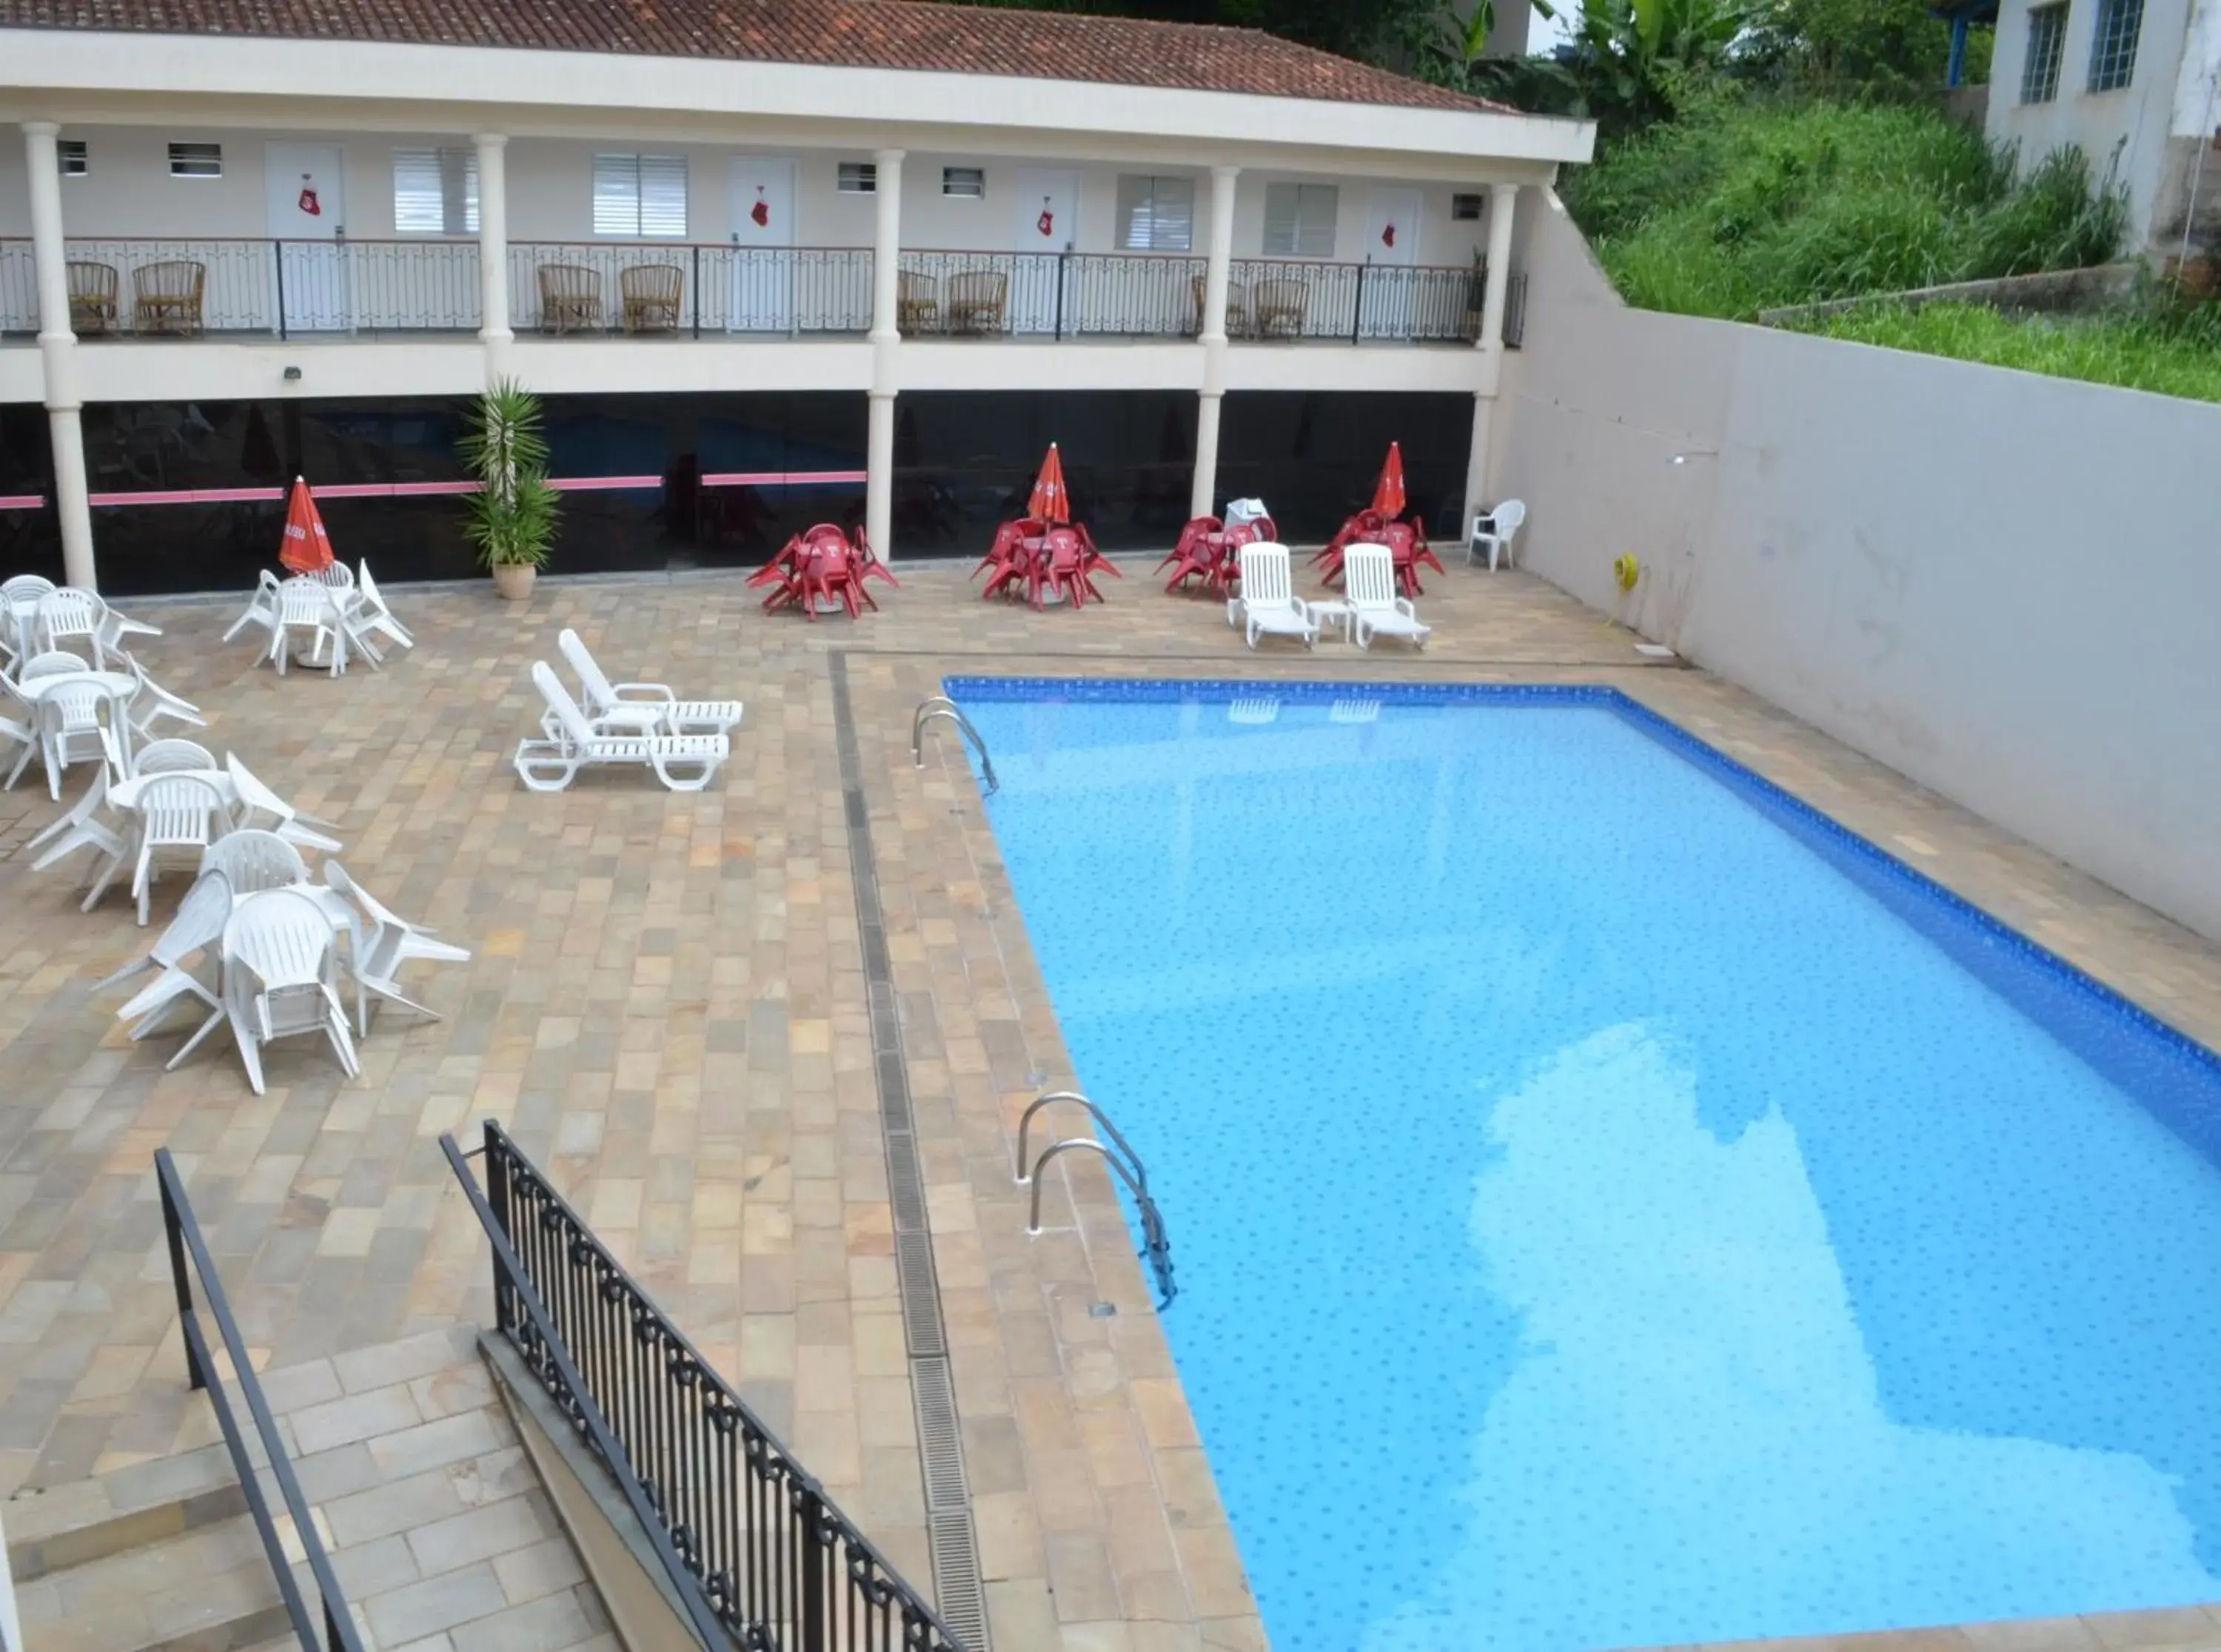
[[2179, 356]]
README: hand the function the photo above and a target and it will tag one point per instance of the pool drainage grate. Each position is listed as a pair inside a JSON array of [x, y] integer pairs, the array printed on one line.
[[958, 1588]]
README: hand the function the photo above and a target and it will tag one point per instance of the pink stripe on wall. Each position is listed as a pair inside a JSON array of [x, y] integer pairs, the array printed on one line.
[[779, 479], [21, 501]]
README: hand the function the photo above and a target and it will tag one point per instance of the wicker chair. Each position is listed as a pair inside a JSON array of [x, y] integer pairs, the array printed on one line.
[[977, 300], [92, 293], [653, 295], [166, 297], [1237, 308], [570, 298], [1280, 308], [918, 302]]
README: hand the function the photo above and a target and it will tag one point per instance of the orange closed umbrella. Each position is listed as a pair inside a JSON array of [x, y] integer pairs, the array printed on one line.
[[1048, 502], [307, 548], [1388, 492]]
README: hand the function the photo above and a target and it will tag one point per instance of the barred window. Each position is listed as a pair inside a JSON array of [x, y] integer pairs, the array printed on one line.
[[1465, 209], [964, 183], [1156, 214], [2047, 39], [436, 191], [76, 161], [859, 177], [1300, 219], [195, 160], [2113, 49], [640, 194]]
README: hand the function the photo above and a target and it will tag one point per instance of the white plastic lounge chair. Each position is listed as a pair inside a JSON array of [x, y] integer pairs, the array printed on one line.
[[643, 706], [83, 828], [197, 927], [173, 757], [179, 816], [255, 862], [373, 614], [153, 703], [575, 742], [81, 721], [261, 608], [68, 616], [257, 800], [1268, 606], [1496, 529], [1368, 585], [392, 941], [280, 978]]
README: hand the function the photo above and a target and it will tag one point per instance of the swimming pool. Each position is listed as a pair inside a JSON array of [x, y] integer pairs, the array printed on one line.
[[1616, 1206]]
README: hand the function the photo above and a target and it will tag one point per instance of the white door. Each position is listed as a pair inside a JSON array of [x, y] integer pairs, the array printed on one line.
[[763, 285], [308, 219], [1388, 307], [1049, 206]]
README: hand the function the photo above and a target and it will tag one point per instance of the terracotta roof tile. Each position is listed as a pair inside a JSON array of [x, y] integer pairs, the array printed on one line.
[[856, 33]]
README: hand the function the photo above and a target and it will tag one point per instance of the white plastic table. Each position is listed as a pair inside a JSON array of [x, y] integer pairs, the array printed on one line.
[[125, 794], [1334, 608], [122, 684]]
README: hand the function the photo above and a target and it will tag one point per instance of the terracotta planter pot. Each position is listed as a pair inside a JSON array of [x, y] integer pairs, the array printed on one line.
[[514, 579]]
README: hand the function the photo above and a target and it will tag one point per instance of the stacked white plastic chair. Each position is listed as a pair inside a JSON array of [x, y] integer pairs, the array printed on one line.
[[82, 827], [263, 809], [375, 957], [312, 606], [1268, 606], [643, 706], [180, 816], [199, 926], [280, 978], [255, 860], [1496, 529], [82, 720], [681, 762], [1368, 586], [19, 607], [68, 618], [172, 757]]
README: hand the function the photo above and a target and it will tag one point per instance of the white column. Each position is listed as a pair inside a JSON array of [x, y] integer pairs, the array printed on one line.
[[1502, 199], [1219, 257], [886, 352], [58, 350], [493, 250]]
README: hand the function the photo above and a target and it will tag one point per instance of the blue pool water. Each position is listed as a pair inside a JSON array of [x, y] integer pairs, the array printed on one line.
[[1614, 1207]]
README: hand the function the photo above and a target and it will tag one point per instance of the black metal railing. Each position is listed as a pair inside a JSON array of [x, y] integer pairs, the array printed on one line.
[[698, 289], [1301, 298], [1052, 294], [750, 1540], [185, 1241]]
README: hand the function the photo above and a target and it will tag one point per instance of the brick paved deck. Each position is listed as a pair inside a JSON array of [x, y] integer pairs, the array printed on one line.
[[667, 1009]]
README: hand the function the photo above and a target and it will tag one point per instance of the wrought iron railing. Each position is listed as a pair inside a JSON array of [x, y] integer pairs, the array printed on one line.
[[1299, 298], [1058, 294], [185, 1239], [750, 1541], [698, 289]]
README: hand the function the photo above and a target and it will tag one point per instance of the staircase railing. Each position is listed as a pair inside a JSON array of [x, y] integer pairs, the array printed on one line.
[[185, 1237], [752, 1543]]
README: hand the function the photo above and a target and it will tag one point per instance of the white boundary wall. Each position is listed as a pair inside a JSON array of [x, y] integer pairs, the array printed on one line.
[[2004, 586]]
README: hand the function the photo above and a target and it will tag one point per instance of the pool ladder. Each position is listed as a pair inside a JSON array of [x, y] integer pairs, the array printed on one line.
[[940, 705], [1156, 1247]]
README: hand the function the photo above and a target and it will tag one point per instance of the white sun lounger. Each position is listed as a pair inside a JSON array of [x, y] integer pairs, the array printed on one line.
[[1368, 579], [1268, 606], [642, 706], [574, 742]]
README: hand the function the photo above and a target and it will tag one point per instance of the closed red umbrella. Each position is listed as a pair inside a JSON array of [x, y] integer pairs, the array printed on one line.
[[1048, 502], [307, 548], [1388, 492]]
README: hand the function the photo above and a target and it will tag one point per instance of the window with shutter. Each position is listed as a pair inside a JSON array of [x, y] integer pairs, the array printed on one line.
[[859, 178], [195, 160], [1300, 219], [1156, 214], [435, 192], [74, 159], [964, 183], [640, 195]]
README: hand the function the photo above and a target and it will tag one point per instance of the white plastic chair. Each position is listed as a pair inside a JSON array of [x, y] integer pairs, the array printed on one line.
[[115, 627], [261, 607], [256, 799], [255, 860], [81, 720], [82, 827], [377, 957], [25, 585], [375, 616], [172, 757], [178, 815], [1496, 529], [197, 927], [1268, 606], [67, 614], [573, 743], [153, 703], [312, 606], [24, 734], [1369, 587], [53, 662], [280, 978], [647, 706]]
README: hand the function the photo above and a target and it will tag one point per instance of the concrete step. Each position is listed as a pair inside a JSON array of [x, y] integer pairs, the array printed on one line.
[[207, 1590], [61, 1526]]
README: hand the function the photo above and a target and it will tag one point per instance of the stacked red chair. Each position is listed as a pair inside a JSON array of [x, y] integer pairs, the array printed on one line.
[[1209, 549], [1384, 523], [819, 568]]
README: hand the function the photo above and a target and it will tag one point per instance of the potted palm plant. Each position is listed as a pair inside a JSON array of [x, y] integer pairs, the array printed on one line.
[[511, 518]]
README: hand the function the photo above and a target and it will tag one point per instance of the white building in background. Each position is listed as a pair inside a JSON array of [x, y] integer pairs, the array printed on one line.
[[245, 237], [2136, 85]]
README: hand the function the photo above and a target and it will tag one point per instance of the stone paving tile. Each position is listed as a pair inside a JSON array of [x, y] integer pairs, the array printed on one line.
[[666, 1007]]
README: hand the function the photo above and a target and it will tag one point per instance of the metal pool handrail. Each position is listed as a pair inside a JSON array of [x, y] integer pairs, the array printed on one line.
[[940, 705], [1156, 1247]]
